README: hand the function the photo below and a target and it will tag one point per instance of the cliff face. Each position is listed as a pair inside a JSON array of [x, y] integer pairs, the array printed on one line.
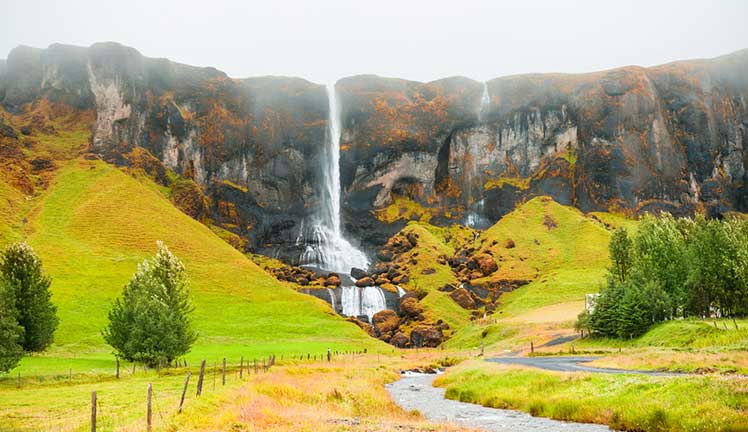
[[671, 137], [253, 145], [635, 139]]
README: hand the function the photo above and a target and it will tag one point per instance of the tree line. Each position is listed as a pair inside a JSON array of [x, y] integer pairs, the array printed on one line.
[[150, 322], [671, 268]]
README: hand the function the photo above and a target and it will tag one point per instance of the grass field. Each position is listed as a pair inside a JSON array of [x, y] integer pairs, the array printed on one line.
[[91, 228], [630, 402]]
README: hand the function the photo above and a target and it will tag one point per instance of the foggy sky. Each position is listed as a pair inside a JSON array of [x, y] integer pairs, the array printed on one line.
[[421, 40]]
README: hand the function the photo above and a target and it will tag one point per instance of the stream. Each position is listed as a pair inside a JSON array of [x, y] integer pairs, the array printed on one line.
[[416, 392]]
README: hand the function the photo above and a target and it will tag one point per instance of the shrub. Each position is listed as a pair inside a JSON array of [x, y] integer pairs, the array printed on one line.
[[151, 322]]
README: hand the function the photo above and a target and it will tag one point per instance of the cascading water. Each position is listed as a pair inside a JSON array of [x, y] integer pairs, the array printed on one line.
[[365, 301], [474, 219], [326, 247], [400, 292], [485, 102]]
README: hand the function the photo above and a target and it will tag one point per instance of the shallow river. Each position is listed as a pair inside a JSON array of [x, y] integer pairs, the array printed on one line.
[[414, 391]]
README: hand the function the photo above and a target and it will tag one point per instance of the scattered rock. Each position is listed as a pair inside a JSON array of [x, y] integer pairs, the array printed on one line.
[[483, 262], [549, 222], [409, 306], [332, 280], [428, 271], [385, 321], [357, 273], [381, 280], [401, 280], [399, 340], [463, 298], [365, 282], [509, 244], [426, 336]]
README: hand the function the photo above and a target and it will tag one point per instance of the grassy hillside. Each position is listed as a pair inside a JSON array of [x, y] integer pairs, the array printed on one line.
[[563, 252], [95, 224]]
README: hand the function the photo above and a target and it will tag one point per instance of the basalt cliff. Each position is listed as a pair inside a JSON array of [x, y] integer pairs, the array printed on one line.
[[672, 137]]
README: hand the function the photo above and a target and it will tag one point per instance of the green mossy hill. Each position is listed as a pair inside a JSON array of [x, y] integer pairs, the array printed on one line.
[[95, 224]]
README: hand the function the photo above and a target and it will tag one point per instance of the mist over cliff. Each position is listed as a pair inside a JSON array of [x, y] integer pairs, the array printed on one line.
[[671, 137]]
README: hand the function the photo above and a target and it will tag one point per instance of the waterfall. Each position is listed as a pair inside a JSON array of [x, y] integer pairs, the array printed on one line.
[[485, 102], [332, 298], [325, 245], [362, 301], [400, 292]]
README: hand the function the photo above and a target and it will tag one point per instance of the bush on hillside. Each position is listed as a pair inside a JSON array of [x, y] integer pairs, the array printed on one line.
[[151, 322], [28, 296]]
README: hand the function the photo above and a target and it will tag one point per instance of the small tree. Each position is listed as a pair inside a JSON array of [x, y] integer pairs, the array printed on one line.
[[11, 334], [151, 322], [28, 291]]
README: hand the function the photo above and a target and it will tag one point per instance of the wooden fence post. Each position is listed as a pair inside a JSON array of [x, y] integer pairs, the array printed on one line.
[[255, 366], [133, 368], [223, 373], [18, 384], [184, 390], [93, 411], [215, 367], [532, 347], [241, 368], [150, 407], [117, 367], [200, 378], [329, 355]]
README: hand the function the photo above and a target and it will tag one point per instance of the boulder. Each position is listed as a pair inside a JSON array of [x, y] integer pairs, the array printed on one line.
[[426, 336], [332, 280], [483, 263], [509, 244], [365, 282], [401, 279], [463, 298], [399, 340], [385, 321], [410, 307], [382, 280], [428, 271], [357, 273]]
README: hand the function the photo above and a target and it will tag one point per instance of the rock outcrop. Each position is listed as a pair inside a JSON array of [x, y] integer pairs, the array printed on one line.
[[672, 137]]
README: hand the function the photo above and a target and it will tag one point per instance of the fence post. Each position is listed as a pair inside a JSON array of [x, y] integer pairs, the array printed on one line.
[[18, 384], [223, 372], [532, 347], [133, 368], [117, 367], [328, 354], [215, 367], [200, 378], [255, 366], [184, 390], [241, 368], [93, 411], [150, 407]]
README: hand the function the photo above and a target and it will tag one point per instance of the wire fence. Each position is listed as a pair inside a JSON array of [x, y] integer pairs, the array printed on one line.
[[108, 411]]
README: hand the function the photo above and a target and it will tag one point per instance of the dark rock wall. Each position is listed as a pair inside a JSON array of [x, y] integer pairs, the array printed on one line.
[[672, 137]]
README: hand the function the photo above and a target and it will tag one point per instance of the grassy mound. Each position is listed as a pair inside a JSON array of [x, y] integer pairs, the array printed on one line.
[[95, 224]]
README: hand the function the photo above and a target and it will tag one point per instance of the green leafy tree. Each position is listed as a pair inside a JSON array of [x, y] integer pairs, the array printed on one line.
[[620, 254], [28, 290], [151, 321], [11, 334]]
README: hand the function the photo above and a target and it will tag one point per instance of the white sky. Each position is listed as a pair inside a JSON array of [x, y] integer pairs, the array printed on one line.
[[323, 40]]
